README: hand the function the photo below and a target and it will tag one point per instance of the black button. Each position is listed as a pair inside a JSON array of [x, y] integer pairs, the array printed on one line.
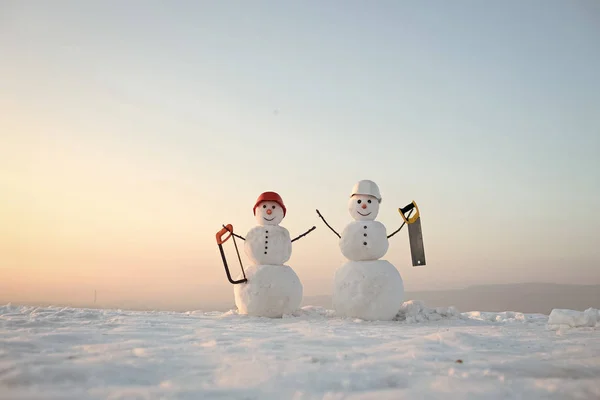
[[365, 227], [365, 234], [266, 247], [266, 237], [365, 243], [267, 231], [265, 252], [266, 241]]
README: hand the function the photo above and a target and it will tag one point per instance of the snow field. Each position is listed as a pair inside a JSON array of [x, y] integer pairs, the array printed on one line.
[[426, 353]]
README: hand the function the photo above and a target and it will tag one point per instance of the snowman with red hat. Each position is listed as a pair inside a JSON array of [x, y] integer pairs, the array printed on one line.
[[270, 288]]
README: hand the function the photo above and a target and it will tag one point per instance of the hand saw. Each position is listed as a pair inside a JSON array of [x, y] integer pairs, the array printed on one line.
[[415, 235], [220, 241]]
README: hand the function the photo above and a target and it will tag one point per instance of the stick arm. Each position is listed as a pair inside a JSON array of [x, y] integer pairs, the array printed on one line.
[[305, 233], [401, 226], [397, 230], [333, 230]]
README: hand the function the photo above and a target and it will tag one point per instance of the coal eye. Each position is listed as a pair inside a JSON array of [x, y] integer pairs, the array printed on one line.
[[273, 207], [264, 206], [360, 201], [369, 201]]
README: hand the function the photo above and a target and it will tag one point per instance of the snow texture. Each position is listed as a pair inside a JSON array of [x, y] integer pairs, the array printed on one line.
[[560, 318], [416, 311], [80, 354], [369, 290], [364, 241], [268, 245], [505, 316], [271, 291]]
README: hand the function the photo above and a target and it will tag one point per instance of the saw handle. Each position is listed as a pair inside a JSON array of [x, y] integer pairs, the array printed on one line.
[[407, 208], [226, 229], [220, 240]]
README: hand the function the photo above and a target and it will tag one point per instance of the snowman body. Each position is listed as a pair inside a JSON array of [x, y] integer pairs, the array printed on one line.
[[273, 288], [369, 290], [270, 244], [272, 291], [366, 287], [364, 241]]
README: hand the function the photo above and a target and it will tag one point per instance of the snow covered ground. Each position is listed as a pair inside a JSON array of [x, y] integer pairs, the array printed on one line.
[[66, 353]]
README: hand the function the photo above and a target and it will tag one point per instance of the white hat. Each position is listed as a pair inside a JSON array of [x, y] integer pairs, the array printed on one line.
[[366, 187]]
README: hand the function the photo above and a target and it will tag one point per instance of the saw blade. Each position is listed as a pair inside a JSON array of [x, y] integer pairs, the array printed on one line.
[[415, 237]]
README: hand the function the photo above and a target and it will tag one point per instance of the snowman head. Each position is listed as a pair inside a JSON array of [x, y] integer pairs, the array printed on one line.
[[269, 213], [269, 209], [364, 200], [363, 207]]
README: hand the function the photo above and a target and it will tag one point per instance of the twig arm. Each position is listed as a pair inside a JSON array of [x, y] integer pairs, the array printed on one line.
[[304, 234], [333, 230], [397, 230], [401, 226]]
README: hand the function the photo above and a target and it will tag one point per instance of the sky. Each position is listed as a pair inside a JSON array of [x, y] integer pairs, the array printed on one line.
[[131, 131]]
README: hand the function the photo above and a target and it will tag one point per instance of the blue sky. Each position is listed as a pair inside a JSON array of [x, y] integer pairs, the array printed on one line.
[[486, 114]]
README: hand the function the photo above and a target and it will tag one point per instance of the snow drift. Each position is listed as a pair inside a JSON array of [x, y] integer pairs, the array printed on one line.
[[560, 318]]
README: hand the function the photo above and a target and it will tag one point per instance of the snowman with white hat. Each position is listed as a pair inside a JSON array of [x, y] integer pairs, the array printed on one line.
[[269, 287], [366, 287]]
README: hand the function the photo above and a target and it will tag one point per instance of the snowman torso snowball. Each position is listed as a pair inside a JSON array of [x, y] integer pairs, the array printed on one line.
[[364, 241], [268, 244]]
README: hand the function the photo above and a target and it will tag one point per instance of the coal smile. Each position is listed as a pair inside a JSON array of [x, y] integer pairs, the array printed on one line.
[[364, 215], [274, 218]]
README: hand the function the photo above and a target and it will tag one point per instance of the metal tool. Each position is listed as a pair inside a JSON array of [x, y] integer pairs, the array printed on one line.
[[220, 241], [415, 235]]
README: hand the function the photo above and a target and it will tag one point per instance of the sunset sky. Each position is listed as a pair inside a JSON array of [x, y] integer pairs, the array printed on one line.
[[129, 133]]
